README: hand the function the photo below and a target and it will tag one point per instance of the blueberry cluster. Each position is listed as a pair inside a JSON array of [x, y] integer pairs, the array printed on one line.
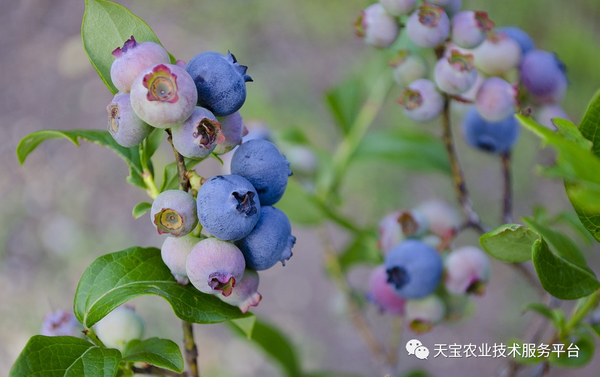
[[198, 103], [423, 275], [474, 62]]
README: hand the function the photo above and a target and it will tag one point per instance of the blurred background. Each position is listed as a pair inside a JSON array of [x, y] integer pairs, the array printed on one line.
[[67, 206]]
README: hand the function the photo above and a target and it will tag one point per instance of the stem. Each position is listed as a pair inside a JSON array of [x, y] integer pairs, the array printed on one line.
[[591, 302], [151, 369], [184, 182], [191, 351], [147, 175], [93, 337], [507, 202]]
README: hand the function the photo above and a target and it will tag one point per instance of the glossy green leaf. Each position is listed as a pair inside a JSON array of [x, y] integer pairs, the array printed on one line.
[[411, 149], [170, 180], [362, 250], [130, 155], [559, 277], [162, 353], [569, 131], [590, 124], [115, 278], [276, 345], [509, 243], [106, 26], [65, 356], [299, 206], [344, 102], [245, 324], [140, 209], [556, 316], [581, 357]]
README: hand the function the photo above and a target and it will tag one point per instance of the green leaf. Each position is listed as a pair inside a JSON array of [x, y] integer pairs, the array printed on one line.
[[569, 131], [116, 278], [509, 243], [130, 155], [590, 124], [559, 277], [276, 345], [299, 206], [105, 27], [245, 324], [571, 219], [362, 250], [344, 102], [56, 356], [585, 354], [170, 179], [411, 149], [556, 316], [162, 353], [140, 209]]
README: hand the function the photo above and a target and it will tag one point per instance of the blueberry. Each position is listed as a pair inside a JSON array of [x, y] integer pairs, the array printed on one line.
[[260, 162], [271, 241], [469, 28], [421, 101], [383, 295], [547, 113], [408, 66], [497, 54], [232, 126], [491, 137], [422, 315], [174, 253], [516, 34], [455, 74], [244, 294], [414, 269], [378, 28], [61, 323], [443, 218], [543, 75], [496, 99], [173, 213], [467, 271], [228, 207], [220, 82], [398, 7], [119, 327], [390, 232], [126, 128], [428, 26], [199, 135], [163, 95], [215, 266], [132, 59]]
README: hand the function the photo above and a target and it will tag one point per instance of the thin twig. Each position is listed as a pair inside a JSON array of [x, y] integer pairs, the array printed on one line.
[[507, 202], [191, 351], [151, 369], [184, 182]]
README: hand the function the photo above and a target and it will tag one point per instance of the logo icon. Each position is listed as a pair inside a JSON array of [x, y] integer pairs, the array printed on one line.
[[416, 348]]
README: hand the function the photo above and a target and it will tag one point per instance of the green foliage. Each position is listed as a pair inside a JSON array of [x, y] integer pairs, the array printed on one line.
[[245, 324], [162, 353], [105, 27], [116, 278], [587, 347], [65, 356], [556, 316], [130, 155], [411, 149], [170, 180], [140, 209], [590, 124], [344, 102], [509, 243]]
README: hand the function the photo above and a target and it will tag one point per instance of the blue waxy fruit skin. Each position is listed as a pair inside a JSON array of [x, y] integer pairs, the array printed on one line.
[[220, 80], [414, 269], [260, 162], [516, 34], [228, 207], [542, 73], [269, 242], [491, 137]]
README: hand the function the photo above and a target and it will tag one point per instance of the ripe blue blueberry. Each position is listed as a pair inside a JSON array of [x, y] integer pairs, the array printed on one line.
[[228, 207], [516, 34], [245, 293], [455, 74], [232, 126], [220, 82], [543, 75], [421, 101], [377, 27], [414, 269], [497, 54], [491, 137], [173, 213], [469, 28], [132, 59], [175, 251], [398, 7], [215, 266], [271, 241], [408, 66], [199, 135], [163, 95], [126, 128], [260, 162], [428, 26], [383, 295], [496, 99]]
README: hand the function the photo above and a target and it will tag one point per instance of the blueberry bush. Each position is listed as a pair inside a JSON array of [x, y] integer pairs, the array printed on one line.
[[458, 74]]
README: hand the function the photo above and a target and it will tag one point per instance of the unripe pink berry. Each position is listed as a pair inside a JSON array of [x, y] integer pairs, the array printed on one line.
[[497, 54], [390, 232], [421, 101], [132, 59], [126, 128], [377, 27], [175, 251], [547, 113], [496, 99], [61, 323], [455, 74], [443, 218], [233, 128], [428, 26], [199, 135], [467, 271], [469, 28], [244, 294], [382, 294]]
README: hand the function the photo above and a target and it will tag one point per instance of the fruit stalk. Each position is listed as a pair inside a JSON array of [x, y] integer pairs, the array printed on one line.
[[507, 201], [184, 182]]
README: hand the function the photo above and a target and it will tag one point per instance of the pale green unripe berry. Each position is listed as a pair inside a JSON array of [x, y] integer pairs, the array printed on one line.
[[119, 327]]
